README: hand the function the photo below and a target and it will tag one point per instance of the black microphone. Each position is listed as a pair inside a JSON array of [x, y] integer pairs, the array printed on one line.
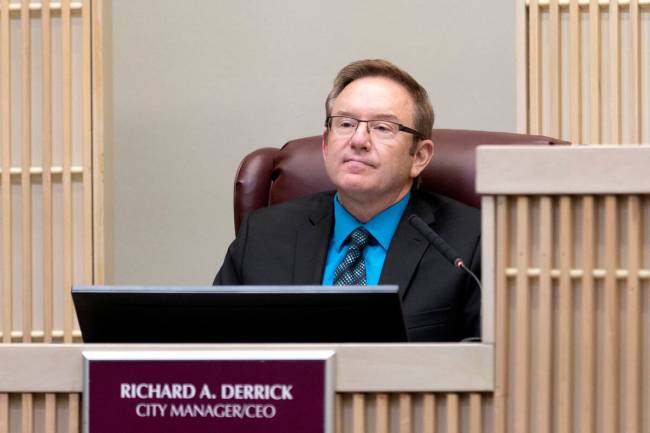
[[447, 251]]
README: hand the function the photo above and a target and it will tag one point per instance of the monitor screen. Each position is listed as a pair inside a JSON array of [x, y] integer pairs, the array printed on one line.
[[239, 314]]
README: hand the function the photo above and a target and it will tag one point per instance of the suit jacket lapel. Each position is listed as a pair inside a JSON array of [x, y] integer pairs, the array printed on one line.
[[407, 247], [312, 244]]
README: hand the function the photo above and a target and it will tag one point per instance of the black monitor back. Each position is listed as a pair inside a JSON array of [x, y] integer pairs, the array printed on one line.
[[239, 314]]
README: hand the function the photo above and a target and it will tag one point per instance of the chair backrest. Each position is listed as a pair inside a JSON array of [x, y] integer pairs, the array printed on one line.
[[270, 175]]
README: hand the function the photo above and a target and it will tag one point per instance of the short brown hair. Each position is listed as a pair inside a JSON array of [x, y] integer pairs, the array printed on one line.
[[422, 113]]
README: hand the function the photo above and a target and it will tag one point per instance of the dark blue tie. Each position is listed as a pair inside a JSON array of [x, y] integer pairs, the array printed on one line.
[[352, 270]]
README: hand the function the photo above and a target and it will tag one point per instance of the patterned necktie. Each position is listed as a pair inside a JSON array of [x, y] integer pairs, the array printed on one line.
[[352, 270]]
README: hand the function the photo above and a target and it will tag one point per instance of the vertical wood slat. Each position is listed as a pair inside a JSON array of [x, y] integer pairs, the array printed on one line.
[[405, 413], [588, 320], [535, 69], [614, 74], [358, 413], [50, 413], [522, 330], [544, 370], [632, 404], [502, 313], [338, 413], [429, 413], [4, 397], [556, 66], [87, 146], [73, 413], [453, 413], [575, 73], [66, 108], [48, 259], [475, 414], [5, 102], [635, 73], [594, 73], [610, 373], [97, 48], [565, 387], [381, 421], [25, 177], [27, 412]]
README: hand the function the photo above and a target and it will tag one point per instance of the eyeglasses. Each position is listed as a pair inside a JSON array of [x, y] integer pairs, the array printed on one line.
[[380, 130]]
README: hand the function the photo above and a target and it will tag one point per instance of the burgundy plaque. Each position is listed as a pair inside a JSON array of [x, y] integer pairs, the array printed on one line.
[[234, 392]]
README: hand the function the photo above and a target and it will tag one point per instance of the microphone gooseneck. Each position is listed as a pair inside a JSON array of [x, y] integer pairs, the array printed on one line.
[[445, 249], [447, 252]]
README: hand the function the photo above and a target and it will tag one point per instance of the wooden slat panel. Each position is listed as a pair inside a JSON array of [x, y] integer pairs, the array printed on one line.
[[98, 140], [594, 73], [632, 404], [502, 322], [475, 413], [405, 413], [48, 259], [602, 3], [338, 413], [73, 413], [358, 413], [27, 413], [635, 73], [544, 370], [50, 413], [5, 102], [611, 396], [4, 409], [587, 413], [575, 73], [26, 158], [453, 413], [565, 388], [87, 146], [614, 74], [429, 419], [555, 70], [66, 127], [535, 69], [382, 401], [35, 6], [522, 330]]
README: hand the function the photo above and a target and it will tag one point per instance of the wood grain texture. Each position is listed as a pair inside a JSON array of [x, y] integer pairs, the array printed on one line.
[[522, 348], [587, 412], [502, 370], [48, 234], [5, 104], [565, 373], [611, 365], [26, 162], [545, 340], [633, 356]]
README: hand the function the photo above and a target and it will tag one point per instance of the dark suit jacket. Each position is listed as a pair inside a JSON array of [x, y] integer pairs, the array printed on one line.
[[287, 244]]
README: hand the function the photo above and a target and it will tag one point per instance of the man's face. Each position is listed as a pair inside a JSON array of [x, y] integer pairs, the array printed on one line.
[[361, 168]]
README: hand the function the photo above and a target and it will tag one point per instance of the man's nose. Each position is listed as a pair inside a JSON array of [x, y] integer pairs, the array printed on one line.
[[361, 137]]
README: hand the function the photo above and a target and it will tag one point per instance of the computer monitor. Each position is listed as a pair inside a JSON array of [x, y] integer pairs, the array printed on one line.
[[239, 314]]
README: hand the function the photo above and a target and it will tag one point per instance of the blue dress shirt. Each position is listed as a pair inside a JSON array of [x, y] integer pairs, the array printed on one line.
[[382, 228]]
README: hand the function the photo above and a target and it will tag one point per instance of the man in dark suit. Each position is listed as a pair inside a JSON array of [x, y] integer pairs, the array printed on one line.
[[377, 140]]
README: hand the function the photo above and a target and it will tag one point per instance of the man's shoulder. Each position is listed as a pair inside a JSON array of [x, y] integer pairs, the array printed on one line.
[[288, 211], [448, 211]]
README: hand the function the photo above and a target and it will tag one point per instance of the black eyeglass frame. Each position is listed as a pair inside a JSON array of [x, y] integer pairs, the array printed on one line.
[[400, 127]]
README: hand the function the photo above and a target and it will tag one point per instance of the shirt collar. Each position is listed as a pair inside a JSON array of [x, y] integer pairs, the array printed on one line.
[[382, 226]]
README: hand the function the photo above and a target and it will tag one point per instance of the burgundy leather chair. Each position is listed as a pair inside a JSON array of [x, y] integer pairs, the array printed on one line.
[[270, 175]]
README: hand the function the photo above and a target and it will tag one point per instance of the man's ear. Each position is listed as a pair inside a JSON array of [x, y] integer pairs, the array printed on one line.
[[421, 157], [324, 144]]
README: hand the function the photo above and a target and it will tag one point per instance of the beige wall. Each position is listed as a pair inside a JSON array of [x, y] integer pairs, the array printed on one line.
[[197, 85]]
